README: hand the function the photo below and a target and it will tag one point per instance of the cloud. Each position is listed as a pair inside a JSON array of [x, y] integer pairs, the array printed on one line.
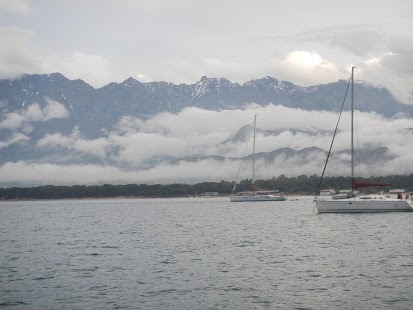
[[362, 40], [15, 6], [14, 138], [33, 113], [75, 141], [41, 173], [54, 109], [190, 133], [322, 55], [150, 6], [307, 68], [138, 150], [61, 174], [308, 60], [184, 138], [392, 71], [143, 78], [303, 68], [12, 121], [95, 69], [15, 57], [381, 54]]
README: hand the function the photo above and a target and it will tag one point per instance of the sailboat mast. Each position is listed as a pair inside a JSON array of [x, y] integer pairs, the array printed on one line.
[[352, 128], [253, 153]]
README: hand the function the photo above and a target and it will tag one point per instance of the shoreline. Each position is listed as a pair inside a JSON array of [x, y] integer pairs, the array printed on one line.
[[136, 197]]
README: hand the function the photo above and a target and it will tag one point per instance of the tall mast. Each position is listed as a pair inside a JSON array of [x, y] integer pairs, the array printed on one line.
[[253, 153], [352, 128]]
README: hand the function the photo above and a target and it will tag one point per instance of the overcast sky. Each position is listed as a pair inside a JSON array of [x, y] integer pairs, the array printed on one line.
[[306, 42]]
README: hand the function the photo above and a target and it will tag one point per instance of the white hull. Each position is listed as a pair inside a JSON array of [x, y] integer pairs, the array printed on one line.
[[357, 205], [256, 198]]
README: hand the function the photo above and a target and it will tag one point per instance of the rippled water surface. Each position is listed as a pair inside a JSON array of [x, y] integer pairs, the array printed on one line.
[[200, 253]]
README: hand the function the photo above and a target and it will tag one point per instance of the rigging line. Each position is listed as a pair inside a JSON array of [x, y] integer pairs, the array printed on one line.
[[332, 141], [243, 156]]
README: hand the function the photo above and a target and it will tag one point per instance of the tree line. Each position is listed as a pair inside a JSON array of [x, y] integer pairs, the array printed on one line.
[[303, 184]]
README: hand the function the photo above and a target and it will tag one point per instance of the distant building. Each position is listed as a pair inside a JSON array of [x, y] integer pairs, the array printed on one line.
[[396, 190], [327, 192], [209, 194]]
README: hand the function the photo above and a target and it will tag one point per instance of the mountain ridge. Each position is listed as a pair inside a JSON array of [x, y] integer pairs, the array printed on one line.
[[94, 108], [208, 92]]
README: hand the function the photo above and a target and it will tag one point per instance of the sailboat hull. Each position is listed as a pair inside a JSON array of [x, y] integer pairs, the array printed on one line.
[[256, 198], [354, 205]]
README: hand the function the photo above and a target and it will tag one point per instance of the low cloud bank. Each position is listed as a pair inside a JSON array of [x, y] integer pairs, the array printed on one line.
[[180, 147]]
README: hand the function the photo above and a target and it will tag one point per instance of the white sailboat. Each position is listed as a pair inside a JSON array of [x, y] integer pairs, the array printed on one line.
[[255, 195], [351, 203]]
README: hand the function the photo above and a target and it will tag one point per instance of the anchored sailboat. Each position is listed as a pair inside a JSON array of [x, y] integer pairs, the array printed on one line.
[[351, 203], [254, 194]]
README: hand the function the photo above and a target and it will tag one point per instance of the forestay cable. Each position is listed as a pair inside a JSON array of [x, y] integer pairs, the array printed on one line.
[[332, 141]]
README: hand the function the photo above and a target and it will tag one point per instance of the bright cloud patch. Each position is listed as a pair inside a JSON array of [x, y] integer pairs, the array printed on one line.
[[392, 71], [33, 113], [307, 68], [75, 141], [95, 69], [305, 59], [15, 137]]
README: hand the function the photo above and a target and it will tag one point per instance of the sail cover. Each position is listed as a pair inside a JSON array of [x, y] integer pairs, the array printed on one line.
[[355, 184]]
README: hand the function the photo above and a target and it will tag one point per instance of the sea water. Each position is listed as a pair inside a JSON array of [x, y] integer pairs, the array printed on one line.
[[201, 253]]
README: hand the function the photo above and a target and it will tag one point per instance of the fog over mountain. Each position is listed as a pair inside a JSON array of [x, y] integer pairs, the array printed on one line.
[[59, 131]]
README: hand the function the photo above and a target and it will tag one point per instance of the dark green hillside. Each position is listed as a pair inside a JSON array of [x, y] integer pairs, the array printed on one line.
[[303, 184]]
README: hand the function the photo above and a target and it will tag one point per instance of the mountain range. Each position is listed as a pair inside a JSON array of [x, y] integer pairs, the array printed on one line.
[[55, 105], [131, 97]]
